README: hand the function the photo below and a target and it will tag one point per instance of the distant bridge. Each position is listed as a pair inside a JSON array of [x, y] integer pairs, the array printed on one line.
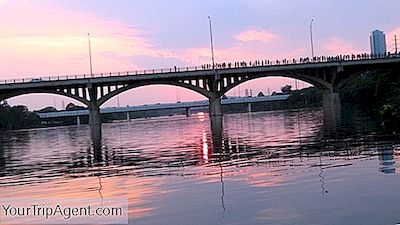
[[179, 105], [327, 74]]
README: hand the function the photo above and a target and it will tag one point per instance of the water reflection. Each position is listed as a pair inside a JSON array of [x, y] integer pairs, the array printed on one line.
[[259, 138], [2, 159], [217, 133], [332, 119], [95, 134], [386, 159], [236, 160]]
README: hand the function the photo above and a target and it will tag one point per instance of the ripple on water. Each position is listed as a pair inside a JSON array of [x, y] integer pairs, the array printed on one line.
[[262, 157]]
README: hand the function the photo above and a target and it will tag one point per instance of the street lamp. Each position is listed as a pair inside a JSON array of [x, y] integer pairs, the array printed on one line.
[[90, 56], [212, 45], [311, 37]]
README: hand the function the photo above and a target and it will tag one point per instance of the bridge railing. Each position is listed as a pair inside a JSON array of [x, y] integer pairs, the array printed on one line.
[[217, 66]]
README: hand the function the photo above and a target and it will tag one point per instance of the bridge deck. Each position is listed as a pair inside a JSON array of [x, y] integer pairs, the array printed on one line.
[[187, 72]]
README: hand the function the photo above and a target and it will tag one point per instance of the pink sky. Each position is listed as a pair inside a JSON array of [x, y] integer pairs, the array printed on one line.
[[49, 38]]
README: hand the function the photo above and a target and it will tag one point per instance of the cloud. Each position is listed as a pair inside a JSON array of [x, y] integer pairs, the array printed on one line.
[[42, 38], [337, 46], [254, 35]]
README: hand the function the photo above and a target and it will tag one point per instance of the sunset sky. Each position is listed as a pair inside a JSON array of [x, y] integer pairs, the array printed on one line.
[[45, 38]]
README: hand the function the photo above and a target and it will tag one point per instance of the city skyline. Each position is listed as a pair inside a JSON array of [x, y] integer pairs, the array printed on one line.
[[51, 37]]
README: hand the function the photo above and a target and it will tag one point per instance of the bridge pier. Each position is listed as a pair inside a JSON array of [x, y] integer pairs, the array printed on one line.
[[216, 117], [128, 116], [330, 99], [94, 114], [215, 107], [78, 120]]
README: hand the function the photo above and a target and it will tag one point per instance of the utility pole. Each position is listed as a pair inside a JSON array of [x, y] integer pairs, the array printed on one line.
[[395, 43], [90, 56], [212, 45]]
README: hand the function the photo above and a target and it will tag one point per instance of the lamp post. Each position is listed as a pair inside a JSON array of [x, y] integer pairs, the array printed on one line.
[[212, 45], [90, 56], [311, 38]]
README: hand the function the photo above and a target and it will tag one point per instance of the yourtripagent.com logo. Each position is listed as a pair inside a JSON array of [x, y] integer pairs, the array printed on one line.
[[64, 211]]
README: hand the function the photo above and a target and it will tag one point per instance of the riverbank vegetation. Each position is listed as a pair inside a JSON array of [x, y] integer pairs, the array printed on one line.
[[17, 117], [377, 92], [306, 97]]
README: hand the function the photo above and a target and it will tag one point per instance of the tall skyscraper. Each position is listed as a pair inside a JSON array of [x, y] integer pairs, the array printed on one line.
[[378, 42]]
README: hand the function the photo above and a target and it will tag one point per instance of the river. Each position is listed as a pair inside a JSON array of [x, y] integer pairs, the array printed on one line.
[[278, 167]]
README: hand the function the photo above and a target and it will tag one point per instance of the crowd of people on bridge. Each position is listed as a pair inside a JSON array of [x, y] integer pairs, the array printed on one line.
[[317, 59]]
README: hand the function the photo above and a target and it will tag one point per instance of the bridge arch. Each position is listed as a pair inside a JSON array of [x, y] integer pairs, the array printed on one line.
[[128, 87], [43, 91], [321, 84]]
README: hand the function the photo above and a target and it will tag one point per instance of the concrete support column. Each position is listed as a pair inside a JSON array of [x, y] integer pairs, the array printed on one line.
[[330, 99], [188, 112], [94, 114], [215, 107], [128, 116]]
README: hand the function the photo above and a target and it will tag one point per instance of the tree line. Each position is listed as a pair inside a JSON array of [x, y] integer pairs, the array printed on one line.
[[17, 117]]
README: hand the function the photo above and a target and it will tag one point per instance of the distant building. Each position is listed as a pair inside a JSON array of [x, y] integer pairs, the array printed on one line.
[[378, 42]]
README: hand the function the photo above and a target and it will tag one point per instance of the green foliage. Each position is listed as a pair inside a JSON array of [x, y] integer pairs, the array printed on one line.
[[47, 109], [72, 107], [286, 89], [377, 91], [307, 97], [17, 117], [390, 116]]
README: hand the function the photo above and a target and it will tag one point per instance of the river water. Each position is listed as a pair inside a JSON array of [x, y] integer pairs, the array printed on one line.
[[280, 167]]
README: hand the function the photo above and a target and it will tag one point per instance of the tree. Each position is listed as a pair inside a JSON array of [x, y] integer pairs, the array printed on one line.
[[47, 109], [260, 94], [286, 89], [17, 117], [71, 107]]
